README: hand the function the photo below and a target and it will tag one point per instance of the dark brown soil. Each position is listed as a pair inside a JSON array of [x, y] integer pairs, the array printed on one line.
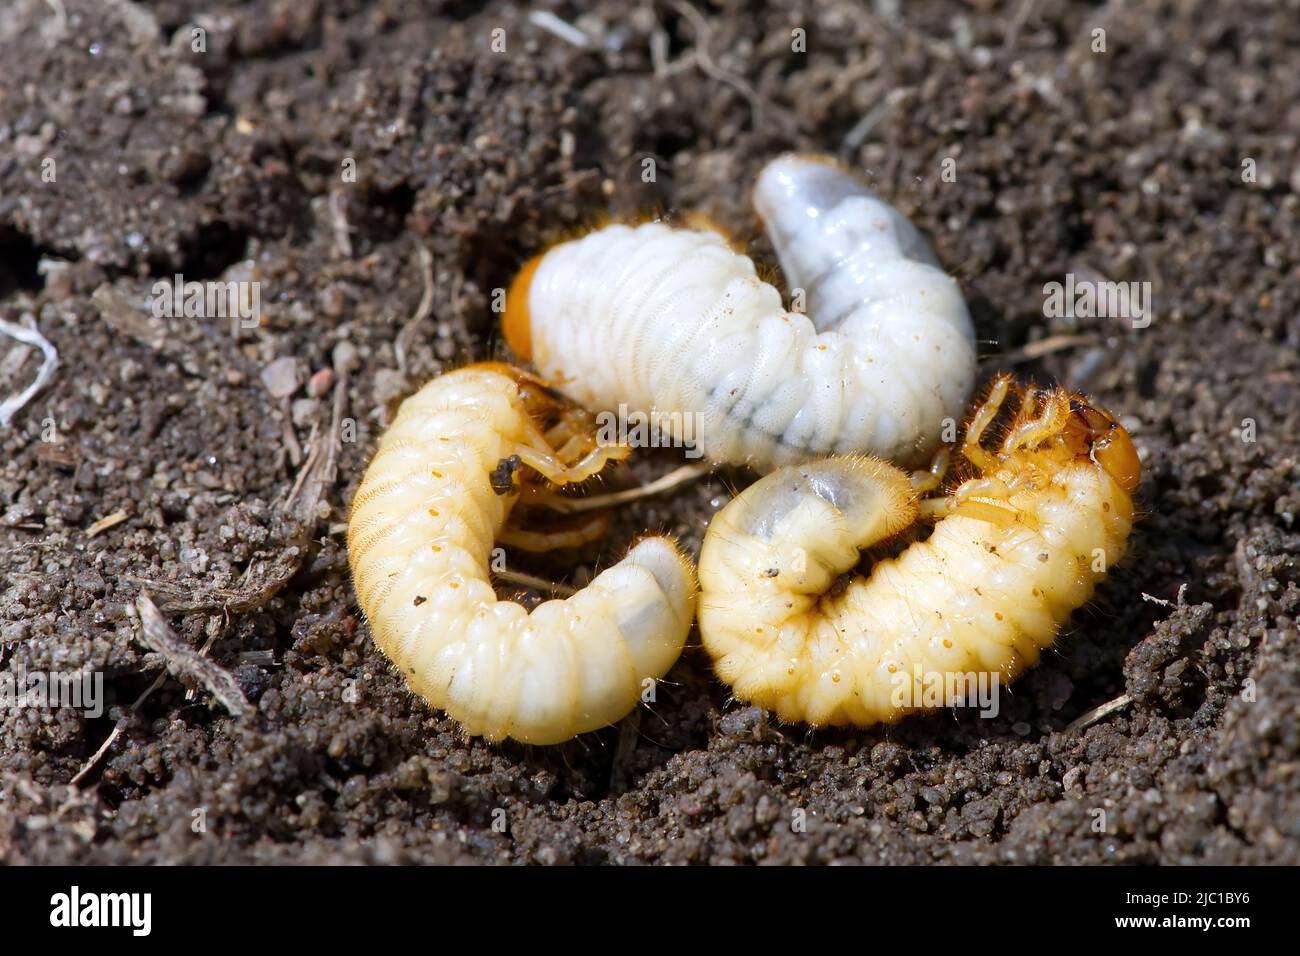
[[1125, 164]]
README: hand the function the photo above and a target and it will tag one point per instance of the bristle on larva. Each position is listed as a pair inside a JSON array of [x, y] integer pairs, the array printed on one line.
[[1018, 548], [433, 502], [672, 323]]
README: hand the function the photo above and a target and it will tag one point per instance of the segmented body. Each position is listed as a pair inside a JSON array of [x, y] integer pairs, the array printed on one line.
[[1020, 546], [673, 322], [422, 527]]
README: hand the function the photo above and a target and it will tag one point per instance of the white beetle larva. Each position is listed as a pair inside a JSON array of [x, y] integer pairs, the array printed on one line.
[[1019, 547], [434, 500], [671, 322]]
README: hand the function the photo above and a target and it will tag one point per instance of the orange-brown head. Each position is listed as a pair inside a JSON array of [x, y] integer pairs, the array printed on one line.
[[540, 401], [1096, 434], [516, 322]]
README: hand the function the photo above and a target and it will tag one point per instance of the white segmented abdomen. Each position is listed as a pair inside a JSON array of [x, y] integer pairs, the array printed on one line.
[[673, 321], [975, 597], [421, 531], [849, 250]]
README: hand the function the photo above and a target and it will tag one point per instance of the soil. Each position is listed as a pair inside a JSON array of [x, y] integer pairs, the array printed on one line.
[[1169, 158]]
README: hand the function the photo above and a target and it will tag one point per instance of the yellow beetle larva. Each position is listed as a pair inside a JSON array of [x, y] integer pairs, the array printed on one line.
[[671, 322], [436, 497], [1019, 546]]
